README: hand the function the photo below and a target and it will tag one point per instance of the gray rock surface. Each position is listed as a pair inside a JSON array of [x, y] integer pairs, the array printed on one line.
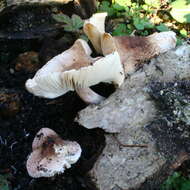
[[127, 112]]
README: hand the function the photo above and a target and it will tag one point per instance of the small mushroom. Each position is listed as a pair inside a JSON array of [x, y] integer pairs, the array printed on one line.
[[75, 69], [132, 49], [51, 155]]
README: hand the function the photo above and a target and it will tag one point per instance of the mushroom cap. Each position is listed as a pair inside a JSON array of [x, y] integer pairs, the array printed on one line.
[[98, 20], [51, 155], [107, 69], [41, 137], [142, 48], [94, 27], [133, 49], [163, 41], [108, 44], [73, 69], [94, 35]]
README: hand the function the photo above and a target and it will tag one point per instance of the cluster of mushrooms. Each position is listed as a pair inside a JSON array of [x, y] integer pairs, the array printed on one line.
[[75, 69]]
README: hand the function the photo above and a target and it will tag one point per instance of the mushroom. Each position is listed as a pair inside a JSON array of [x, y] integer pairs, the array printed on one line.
[[131, 49], [75, 69], [51, 155]]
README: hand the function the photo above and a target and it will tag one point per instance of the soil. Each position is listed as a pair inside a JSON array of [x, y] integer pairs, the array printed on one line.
[[17, 130]]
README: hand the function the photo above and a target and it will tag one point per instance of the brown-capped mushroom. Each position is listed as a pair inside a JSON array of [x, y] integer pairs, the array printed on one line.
[[51, 155], [75, 69]]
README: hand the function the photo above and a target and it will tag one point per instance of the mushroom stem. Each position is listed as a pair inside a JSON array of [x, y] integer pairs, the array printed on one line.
[[89, 96]]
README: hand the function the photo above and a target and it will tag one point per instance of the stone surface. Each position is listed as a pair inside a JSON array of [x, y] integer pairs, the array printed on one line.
[[127, 112]]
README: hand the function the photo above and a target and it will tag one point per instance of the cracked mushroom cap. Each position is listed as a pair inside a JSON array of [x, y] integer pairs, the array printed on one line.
[[75, 69], [51, 155]]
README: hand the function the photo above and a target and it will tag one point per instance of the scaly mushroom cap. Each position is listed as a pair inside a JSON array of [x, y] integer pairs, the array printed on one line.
[[51, 155], [94, 28], [75, 69]]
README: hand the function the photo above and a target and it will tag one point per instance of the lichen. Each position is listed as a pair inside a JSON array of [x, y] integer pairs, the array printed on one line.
[[172, 100]]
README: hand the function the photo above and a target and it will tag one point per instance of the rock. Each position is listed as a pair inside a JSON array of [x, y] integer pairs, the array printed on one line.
[[132, 112]]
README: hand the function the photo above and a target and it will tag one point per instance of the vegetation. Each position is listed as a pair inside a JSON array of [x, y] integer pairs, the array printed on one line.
[[4, 184], [143, 17], [138, 17], [176, 182]]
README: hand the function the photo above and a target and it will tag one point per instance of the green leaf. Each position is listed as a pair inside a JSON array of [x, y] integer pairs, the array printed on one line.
[[181, 11], [176, 182], [77, 22], [4, 185], [148, 25], [62, 18], [179, 41], [72, 24], [69, 28], [138, 24], [142, 23], [162, 28], [121, 30], [84, 37], [183, 32], [185, 185], [105, 7], [118, 7]]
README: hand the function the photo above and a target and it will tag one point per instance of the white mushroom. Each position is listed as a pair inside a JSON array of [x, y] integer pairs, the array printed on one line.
[[51, 155], [75, 69]]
